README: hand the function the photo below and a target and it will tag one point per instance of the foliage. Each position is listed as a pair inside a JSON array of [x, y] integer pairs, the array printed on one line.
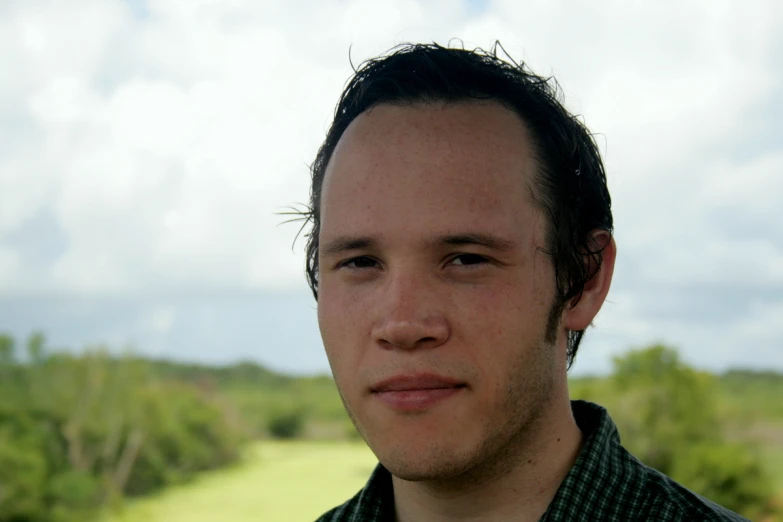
[[747, 395], [311, 405], [661, 405], [669, 416], [79, 431], [286, 424], [729, 474]]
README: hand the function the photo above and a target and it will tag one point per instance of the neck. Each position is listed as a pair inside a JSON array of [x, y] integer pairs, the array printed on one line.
[[518, 485]]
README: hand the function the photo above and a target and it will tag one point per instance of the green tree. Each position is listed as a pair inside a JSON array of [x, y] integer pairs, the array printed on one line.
[[668, 416], [727, 473], [79, 431], [662, 405]]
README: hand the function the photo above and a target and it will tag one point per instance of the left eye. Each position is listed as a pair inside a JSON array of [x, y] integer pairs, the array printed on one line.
[[359, 263], [468, 259]]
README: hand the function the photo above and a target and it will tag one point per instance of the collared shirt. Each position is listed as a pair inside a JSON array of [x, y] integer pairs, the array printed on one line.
[[606, 483]]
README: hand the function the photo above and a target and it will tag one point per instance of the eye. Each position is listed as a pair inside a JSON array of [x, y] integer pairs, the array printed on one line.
[[359, 263], [469, 260]]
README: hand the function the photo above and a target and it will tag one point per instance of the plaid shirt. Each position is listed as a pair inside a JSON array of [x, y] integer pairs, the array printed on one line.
[[606, 483]]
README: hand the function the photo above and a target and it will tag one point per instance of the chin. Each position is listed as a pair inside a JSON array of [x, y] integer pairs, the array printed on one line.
[[422, 464], [416, 472]]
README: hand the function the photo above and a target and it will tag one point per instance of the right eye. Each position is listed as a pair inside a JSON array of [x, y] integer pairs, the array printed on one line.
[[361, 262]]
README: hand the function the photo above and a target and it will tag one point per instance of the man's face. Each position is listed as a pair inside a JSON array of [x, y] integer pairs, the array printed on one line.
[[433, 294]]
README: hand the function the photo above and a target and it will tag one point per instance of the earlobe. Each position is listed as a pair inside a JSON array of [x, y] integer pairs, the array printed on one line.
[[582, 314]]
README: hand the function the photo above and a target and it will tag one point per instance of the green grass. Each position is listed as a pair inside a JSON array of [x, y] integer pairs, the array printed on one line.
[[773, 459], [279, 482]]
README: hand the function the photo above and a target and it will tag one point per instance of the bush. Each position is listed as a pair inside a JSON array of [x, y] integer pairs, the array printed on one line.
[[286, 424], [72, 494], [729, 474], [80, 431], [23, 476], [668, 416]]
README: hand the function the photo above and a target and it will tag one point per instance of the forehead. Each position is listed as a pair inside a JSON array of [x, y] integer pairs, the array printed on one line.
[[431, 168]]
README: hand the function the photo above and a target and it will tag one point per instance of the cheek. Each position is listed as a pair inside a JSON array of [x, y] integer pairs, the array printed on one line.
[[504, 310], [340, 324], [329, 320], [502, 326]]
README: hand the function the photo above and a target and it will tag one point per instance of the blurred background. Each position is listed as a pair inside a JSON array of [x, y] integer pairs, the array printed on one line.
[[159, 352]]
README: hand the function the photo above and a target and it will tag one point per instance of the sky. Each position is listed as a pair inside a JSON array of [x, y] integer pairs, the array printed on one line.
[[147, 149]]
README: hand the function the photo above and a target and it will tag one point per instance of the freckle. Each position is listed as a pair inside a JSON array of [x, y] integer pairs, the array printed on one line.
[[530, 461]]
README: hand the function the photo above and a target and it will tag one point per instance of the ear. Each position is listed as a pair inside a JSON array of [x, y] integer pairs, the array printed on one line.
[[581, 315]]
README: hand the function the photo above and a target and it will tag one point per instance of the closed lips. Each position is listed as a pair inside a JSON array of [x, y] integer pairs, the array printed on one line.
[[416, 382]]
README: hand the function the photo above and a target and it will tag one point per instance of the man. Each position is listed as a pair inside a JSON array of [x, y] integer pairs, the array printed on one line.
[[461, 245]]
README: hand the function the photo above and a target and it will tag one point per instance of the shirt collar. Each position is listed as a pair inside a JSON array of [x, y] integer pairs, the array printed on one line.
[[605, 481]]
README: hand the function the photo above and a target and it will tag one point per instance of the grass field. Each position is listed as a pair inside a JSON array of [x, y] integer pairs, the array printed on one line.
[[280, 482], [773, 458]]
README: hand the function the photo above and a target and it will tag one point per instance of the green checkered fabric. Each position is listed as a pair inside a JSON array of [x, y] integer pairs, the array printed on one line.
[[606, 484]]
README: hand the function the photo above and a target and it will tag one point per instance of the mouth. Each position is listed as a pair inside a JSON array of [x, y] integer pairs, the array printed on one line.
[[416, 381], [416, 392]]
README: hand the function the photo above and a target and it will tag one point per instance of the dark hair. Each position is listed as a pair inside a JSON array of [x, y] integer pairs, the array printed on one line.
[[570, 185]]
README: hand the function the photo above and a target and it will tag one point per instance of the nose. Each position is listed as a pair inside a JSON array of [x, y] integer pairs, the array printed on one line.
[[410, 317]]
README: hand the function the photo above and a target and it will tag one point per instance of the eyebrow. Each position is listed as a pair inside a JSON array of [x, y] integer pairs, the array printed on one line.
[[343, 244], [346, 243], [480, 239]]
